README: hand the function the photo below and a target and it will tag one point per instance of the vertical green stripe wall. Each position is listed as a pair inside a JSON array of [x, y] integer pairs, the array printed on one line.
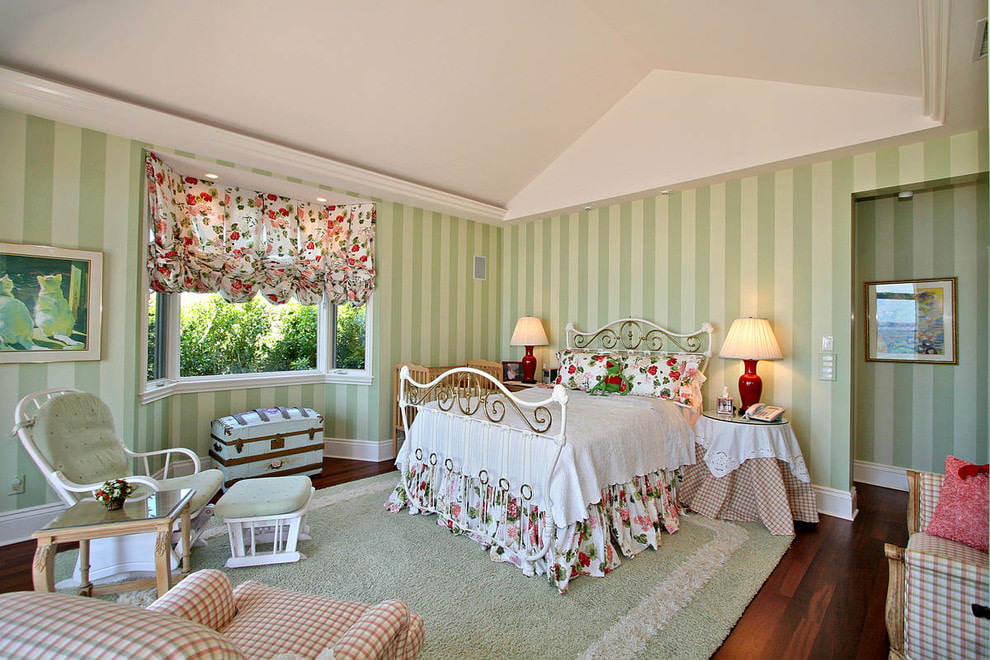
[[913, 415], [70, 187], [778, 245]]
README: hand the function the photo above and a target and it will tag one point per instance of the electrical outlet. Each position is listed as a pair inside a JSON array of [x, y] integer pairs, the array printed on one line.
[[16, 485]]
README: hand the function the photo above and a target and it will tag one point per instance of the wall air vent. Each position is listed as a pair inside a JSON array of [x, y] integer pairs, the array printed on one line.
[[480, 267], [980, 47]]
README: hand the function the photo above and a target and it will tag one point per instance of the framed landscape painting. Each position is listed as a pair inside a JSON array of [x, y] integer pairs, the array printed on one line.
[[50, 304], [912, 321]]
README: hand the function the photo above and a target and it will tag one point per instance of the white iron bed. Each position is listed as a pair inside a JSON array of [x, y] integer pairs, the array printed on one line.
[[557, 481]]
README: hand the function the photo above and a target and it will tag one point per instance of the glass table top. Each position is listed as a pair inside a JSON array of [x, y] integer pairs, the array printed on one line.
[[161, 504], [739, 419]]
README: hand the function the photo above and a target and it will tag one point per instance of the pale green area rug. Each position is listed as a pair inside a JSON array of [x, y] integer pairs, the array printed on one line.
[[679, 602]]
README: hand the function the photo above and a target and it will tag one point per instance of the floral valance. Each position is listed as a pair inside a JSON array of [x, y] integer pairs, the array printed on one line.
[[239, 242]]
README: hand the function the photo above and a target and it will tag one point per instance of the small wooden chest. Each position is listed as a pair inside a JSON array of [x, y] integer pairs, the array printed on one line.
[[268, 441]]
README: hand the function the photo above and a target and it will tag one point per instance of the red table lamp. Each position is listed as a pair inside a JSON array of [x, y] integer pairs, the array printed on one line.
[[529, 333], [750, 340]]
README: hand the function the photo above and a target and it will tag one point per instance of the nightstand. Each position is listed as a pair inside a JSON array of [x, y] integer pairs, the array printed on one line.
[[748, 471], [517, 385], [739, 419]]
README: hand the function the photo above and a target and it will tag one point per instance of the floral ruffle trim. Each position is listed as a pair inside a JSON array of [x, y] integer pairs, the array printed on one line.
[[627, 520]]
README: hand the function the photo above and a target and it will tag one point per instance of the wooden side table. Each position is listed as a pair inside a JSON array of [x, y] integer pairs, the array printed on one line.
[[517, 385], [748, 471], [89, 519]]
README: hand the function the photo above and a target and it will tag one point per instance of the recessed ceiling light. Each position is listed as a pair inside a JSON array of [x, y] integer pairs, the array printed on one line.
[[321, 199], [211, 175], [905, 194], [664, 192], [587, 208]]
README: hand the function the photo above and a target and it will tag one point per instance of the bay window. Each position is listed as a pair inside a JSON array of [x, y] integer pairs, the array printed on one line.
[[247, 285]]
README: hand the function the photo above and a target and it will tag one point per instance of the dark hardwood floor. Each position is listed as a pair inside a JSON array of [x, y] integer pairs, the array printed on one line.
[[826, 597], [824, 600]]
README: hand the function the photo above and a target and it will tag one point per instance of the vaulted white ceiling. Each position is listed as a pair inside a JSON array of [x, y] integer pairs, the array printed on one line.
[[520, 108]]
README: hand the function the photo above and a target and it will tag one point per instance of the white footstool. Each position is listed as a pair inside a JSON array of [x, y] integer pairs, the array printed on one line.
[[262, 511]]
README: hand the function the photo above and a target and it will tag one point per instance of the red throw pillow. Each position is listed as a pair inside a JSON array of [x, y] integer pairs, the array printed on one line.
[[961, 514]]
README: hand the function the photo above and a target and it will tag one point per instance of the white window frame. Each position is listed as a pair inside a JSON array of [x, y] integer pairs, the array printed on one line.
[[173, 383]]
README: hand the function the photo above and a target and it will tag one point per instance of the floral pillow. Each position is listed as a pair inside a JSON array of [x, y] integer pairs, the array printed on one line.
[[674, 377], [579, 370], [689, 393], [961, 512]]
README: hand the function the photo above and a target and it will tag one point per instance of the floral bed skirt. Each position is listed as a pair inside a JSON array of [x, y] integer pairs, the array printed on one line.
[[627, 520]]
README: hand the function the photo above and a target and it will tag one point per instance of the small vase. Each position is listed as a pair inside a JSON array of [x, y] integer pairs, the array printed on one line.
[[114, 505]]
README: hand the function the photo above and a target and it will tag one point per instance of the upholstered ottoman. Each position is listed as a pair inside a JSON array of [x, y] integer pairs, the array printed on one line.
[[262, 511]]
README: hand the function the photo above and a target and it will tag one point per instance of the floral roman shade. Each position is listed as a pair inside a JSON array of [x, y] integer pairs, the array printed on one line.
[[239, 243]]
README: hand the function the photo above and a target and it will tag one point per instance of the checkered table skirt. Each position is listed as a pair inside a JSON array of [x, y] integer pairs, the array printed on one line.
[[760, 490]]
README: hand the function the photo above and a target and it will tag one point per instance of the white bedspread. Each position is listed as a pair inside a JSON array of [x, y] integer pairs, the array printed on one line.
[[610, 440]]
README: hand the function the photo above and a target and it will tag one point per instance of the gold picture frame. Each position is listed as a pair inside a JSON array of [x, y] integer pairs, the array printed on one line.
[[912, 321]]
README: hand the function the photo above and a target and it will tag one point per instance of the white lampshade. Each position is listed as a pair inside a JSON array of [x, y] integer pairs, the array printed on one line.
[[751, 339], [529, 332]]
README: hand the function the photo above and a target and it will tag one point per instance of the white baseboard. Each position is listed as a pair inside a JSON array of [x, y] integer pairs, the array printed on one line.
[[836, 503], [358, 450], [17, 526], [184, 467], [877, 474]]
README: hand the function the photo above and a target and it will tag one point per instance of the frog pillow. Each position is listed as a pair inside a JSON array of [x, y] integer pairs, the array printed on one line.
[[580, 370], [614, 381]]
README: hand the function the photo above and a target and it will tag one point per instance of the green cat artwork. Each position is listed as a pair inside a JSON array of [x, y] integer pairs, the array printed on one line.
[[49, 304], [16, 324], [52, 314]]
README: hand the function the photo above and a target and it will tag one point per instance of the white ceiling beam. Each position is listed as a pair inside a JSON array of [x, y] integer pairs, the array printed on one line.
[[934, 24]]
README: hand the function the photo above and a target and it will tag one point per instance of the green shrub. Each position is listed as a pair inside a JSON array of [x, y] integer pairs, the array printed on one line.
[[217, 337]]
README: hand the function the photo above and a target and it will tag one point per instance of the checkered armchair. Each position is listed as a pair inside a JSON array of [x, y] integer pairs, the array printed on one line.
[[932, 586], [203, 617]]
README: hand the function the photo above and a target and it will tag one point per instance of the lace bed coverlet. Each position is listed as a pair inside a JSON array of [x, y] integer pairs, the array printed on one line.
[[612, 486]]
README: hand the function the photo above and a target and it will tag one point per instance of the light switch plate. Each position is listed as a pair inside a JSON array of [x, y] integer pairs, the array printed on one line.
[[826, 366]]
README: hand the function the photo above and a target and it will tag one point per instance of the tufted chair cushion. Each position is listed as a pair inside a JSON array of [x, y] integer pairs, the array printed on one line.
[[75, 432]]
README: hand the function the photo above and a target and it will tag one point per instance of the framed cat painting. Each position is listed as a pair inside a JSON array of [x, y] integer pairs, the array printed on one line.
[[50, 304]]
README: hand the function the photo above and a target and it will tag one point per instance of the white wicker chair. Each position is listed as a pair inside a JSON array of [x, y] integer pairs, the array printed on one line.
[[70, 437]]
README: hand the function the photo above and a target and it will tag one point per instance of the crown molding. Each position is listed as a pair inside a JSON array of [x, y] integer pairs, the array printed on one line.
[[73, 105], [934, 23]]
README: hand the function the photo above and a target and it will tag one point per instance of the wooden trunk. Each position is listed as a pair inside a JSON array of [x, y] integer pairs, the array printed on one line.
[[268, 442]]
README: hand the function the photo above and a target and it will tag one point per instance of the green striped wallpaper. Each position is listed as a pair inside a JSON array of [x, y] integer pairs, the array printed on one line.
[[777, 245], [75, 188], [913, 415], [70, 187]]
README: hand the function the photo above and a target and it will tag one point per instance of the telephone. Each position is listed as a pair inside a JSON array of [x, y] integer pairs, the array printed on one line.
[[763, 412]]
